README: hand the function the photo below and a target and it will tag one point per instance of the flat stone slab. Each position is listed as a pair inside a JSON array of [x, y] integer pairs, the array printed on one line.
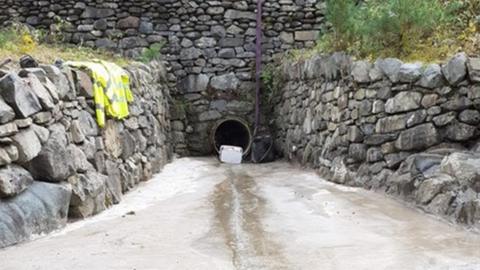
[[42, 208]]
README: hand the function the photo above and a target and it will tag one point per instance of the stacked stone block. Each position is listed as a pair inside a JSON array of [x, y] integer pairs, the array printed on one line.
[[410, 130], [56, 163], [209, 44]]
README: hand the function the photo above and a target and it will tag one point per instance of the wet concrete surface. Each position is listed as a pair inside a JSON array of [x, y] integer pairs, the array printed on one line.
[[199, 214]]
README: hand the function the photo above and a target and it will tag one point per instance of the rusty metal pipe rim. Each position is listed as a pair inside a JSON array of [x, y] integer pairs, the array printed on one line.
[[233, 131]]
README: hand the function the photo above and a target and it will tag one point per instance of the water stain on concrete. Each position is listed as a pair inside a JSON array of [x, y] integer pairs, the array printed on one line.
[[238, 215]]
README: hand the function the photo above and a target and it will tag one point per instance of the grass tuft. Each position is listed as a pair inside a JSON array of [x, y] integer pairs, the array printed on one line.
[[18, 40]]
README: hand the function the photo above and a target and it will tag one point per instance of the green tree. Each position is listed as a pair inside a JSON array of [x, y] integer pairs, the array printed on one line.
[[342, 16], [399, 25]]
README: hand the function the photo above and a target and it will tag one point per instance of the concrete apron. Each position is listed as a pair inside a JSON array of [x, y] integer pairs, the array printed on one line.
[[200, 214]]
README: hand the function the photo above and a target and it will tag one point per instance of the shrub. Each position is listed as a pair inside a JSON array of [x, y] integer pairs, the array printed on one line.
[[152, 53], [465, 12], [342, 16], [17, 37], [399, 25], [384, 27], [271, 82]]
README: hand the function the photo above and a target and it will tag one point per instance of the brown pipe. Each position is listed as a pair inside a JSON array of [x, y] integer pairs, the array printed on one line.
[[232, 131]]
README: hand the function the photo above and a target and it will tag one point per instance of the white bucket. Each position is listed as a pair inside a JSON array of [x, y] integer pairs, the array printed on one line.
[[231, 154]]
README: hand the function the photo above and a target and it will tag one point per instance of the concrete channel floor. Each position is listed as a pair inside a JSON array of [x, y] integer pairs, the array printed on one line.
[[199, 214]]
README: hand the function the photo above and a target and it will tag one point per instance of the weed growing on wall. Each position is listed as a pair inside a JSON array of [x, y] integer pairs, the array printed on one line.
[[152, 53], [271, 83]]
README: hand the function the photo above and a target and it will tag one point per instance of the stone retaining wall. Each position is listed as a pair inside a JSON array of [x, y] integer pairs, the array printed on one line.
[[210, 44], [410, 130], [56, 163]]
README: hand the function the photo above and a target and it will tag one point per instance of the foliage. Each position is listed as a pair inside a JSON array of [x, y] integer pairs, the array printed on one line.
[[342, 15], [152, 53], [398, 25], [56, 35], [411, 29], [18, 39], [465, 12], [271, 82]]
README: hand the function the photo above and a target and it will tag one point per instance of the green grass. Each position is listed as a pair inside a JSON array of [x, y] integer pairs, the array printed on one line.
[[411, 30], [17, 40]]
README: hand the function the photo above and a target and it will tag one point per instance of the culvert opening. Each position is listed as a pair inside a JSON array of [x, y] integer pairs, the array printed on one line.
[[234, 132]]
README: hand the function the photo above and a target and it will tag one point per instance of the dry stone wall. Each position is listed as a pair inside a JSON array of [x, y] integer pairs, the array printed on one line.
[[209, 44], [56, 163], [410, 130]]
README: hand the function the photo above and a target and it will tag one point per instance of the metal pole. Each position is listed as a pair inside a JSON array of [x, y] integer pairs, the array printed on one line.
[[258, 64]]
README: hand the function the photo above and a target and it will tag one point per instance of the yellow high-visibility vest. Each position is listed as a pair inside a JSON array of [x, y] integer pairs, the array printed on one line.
[[111, 89]]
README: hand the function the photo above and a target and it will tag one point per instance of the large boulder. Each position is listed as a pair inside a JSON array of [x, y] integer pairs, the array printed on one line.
[[8, 154], [340, 172], [361, 70], [8, 129], [112, 138], [431, 187], [444, 119], [41, 209], [88, 194], [28, 145], [225, 82], [457, 103], [83, 84], [418, 138], [458, 131], [79, 162], [58, 78], [440, 204], [190, 53], [88, 124], [132, 42], [464, 167], [391, 123], [13, 180], [194, 83], [54, 163], [467, 207], [113, 183], [471, 117], [97, 13], [233, 14], [404, 101], [128, 145], [7, 114], [410, 73], [415, 167], [47, 83], [76, 130], [41, 92], [19, 94], [432, 77], [128, 22], [473, 65], [390, 67], [455, 70], [357, 152]]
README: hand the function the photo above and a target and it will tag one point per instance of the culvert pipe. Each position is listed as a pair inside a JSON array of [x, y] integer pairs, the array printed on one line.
[[234, 132]]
